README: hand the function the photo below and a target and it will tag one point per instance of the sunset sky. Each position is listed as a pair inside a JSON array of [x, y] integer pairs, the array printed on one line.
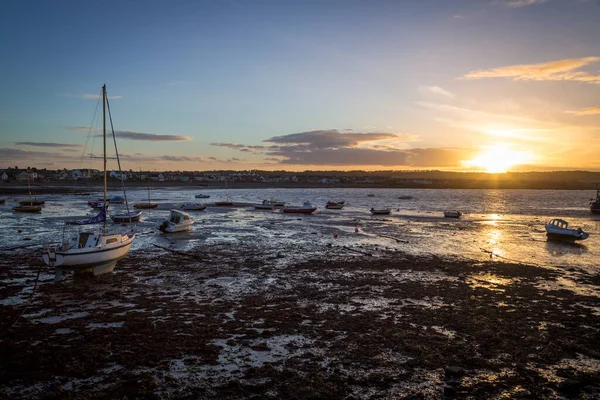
[[463, 85]]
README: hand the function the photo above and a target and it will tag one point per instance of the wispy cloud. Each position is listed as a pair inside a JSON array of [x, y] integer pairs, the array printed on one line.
[[560, 70], [522, 3], [42, 144], [149, 137], [458, 16], [183, 158], [438, 90], [586, 111]]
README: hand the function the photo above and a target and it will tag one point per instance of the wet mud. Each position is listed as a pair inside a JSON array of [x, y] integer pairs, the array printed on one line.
[[242, 321]]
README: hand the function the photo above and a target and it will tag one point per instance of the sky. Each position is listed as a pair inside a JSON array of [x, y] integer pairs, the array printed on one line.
[[460, 85]]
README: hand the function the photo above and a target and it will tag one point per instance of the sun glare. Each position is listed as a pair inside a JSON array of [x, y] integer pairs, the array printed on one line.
[[497, 159]]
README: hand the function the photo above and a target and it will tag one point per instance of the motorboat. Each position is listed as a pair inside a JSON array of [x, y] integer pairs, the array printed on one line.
[[178, 221], [595, 204], [126, 217], [96, 252], [202, 196], [559, 229], [380, 211], [276, 203], [332, 205], [452, 214], [265, 205], [371, 195], [193, 206], [306, 208]]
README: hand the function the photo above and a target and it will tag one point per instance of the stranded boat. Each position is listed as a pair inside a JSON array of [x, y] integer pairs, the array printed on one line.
[[380, 211], [333, 205], [306, 208], [266, 205], [193, 206], [127, 217], [178, 221], [202, 196], [559, 229], [595, 204], [452, 214]]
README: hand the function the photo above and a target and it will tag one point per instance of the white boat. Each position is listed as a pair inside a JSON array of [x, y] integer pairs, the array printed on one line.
[[452, 214], [380, 211], [193, 206], [126, 217], [559, 229], [265, 205], [95, 252], [202, 196], [275, 203], [178, 221]]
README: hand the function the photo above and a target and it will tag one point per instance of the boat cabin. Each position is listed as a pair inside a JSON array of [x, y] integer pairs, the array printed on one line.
[[560, 223], [176, 217]]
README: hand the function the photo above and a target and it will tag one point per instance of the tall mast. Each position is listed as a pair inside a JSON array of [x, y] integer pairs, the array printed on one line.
[[104, 141]]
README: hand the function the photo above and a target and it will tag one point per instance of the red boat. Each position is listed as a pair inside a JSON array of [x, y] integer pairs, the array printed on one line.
[[306, 208]]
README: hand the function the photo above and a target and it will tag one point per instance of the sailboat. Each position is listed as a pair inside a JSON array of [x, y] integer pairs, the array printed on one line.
[[95, 252], [227, 202], [29, 206], [146, 205]]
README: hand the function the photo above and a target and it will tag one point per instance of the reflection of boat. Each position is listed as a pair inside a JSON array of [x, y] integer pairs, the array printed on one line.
[[266, 205], [193, 206], [87, 251], [404, 197], [559, 229], [381, 211], [306, 208], [126, 217], [332, 205], [595, 204], [178, 222], [452, 214], [202, 196]]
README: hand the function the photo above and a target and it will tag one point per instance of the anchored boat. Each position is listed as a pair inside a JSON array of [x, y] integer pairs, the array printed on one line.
[[558, 229]]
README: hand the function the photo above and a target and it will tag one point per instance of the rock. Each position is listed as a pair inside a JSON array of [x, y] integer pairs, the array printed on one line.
[[454, 371]]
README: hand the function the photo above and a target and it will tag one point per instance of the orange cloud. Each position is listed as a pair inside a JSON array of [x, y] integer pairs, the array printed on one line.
[[586, 111], [560, 70]]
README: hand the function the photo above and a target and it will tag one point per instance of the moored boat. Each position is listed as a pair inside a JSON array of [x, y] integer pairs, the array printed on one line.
[[452, 214], [266, 205], [595, 204], [404, 197], [126, 217], [332, 205], [178, 221], [2, 201], [98, 205], [32, 203], [371, 195], [193, 206], [144, 206], [380, 211], [202, 196], [30, 209], [558, 229], [276, 203], [306, 208]]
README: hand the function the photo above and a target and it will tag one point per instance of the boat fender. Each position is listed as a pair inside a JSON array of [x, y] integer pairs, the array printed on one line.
[[335, 235]]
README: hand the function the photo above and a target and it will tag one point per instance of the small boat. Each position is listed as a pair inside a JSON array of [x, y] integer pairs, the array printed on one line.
[[276, 203], [223, 203], [595, 204], [371, 195], [559, 229], [96, 252], [145, 206], [380, 211], [178, 221], [266, 205], [30, 209], [202, 196], [97, 205], [452, 214], [306, 208], [2, 201], [404, 197], [193, 206], [127, 217], [332, 205], [114, 200], [32, 203]]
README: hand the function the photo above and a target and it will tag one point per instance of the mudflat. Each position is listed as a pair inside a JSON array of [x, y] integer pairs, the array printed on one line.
[[222, 321]]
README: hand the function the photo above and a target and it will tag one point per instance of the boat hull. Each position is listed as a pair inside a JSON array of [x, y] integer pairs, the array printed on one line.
[[133, 216], [564, 237], [381, 212], [169, 227], [595, 207], [30, 209], [334, 206], [145, 206], [299, 210]]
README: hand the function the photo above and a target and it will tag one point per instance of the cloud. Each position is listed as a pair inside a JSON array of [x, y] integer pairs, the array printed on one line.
[[42, 144], [183, 158], [150, 137], [332, 138], [586, 111], [438, 90], [240, 147], [458, 16], [522, 3], [560, 70]]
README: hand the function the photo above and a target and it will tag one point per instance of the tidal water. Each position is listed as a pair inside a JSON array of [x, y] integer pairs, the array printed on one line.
[[497, 224]]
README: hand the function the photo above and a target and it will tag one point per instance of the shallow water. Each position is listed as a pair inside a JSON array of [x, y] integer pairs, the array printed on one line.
[[498, 224]]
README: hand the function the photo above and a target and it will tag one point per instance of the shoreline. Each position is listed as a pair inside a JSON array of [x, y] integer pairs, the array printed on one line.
[[225, 322]]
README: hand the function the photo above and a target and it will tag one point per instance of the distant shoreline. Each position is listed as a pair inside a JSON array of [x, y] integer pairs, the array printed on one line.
[[82, 187]]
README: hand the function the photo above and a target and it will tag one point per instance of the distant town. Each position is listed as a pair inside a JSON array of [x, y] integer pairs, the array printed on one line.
[[393, 179]]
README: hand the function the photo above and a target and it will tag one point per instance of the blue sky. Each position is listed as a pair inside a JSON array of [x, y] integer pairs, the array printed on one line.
[[457, 84]]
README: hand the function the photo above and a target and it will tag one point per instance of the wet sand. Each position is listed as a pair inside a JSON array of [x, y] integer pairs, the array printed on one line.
[[361, 321]]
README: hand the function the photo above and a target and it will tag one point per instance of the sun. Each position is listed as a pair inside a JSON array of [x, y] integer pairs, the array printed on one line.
[[497, 159]]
